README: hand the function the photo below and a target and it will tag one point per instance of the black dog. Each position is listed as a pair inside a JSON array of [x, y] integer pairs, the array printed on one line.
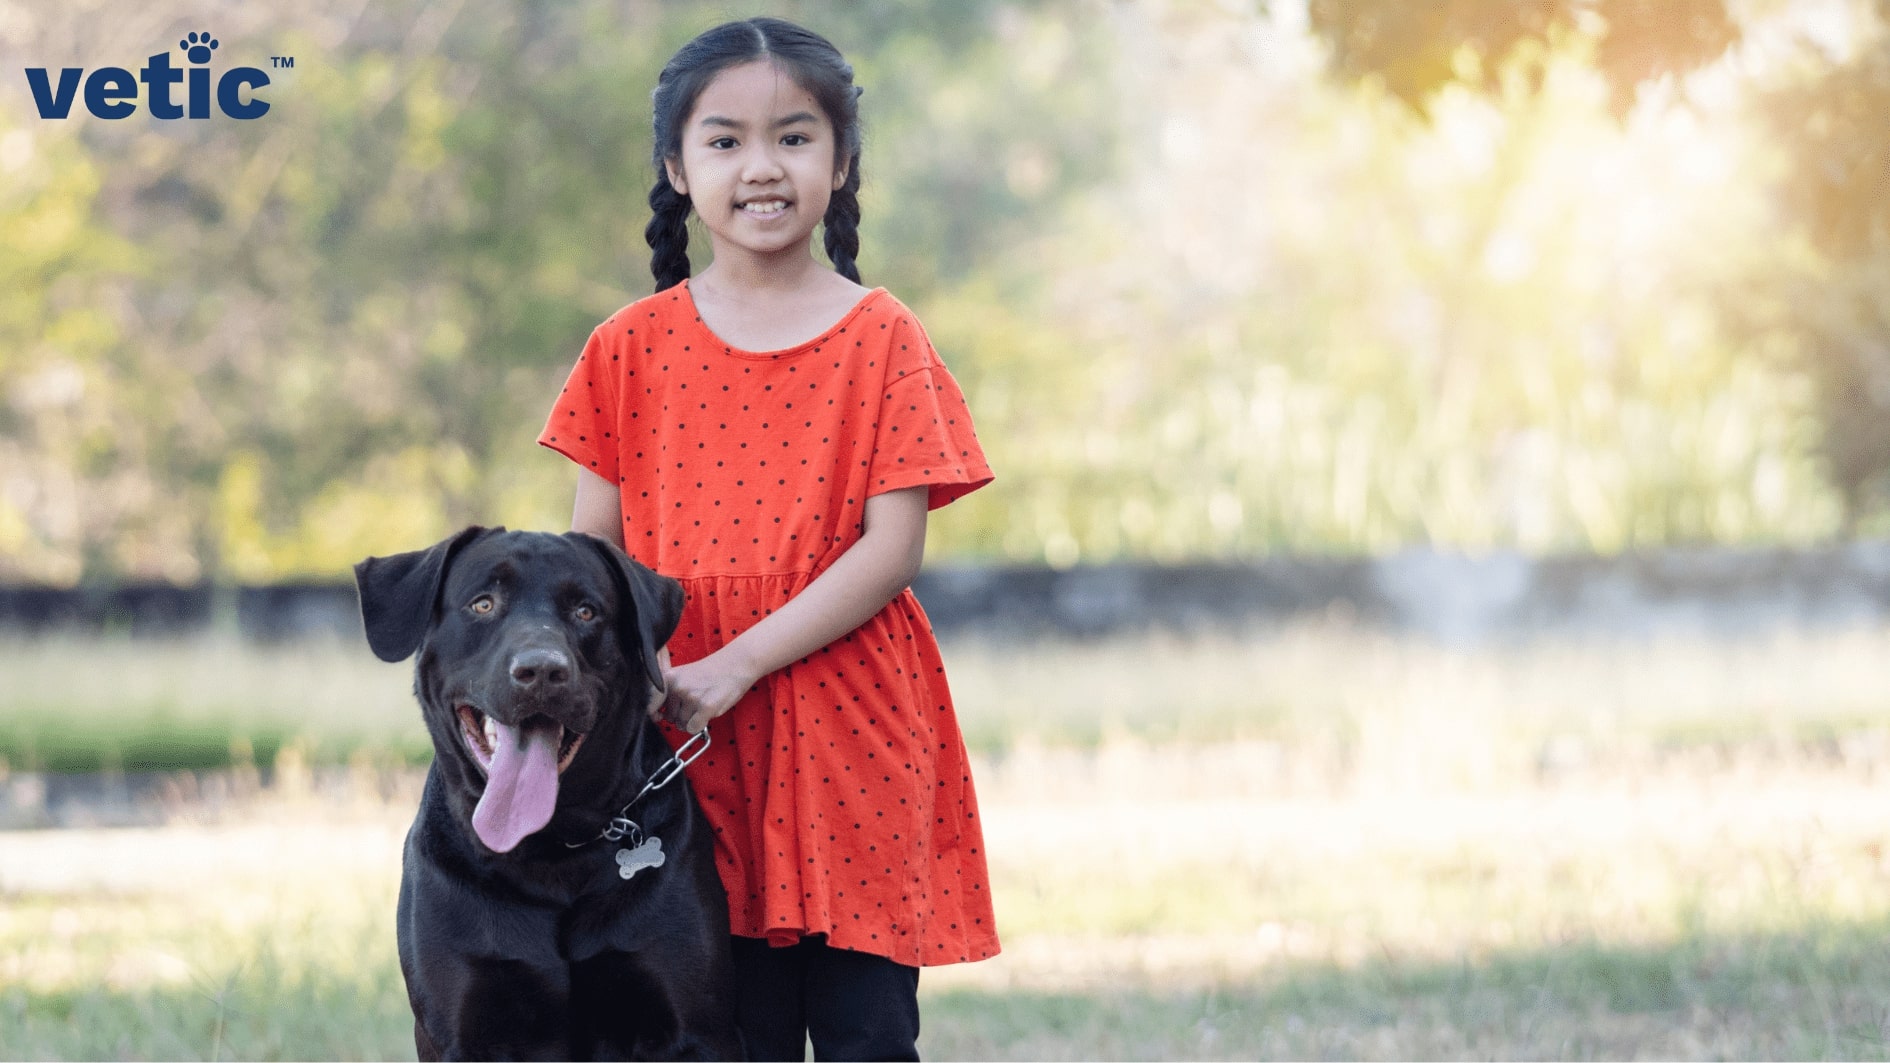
[[525, 930]]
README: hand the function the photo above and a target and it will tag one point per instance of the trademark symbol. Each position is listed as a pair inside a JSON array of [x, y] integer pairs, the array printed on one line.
[[282, 62]]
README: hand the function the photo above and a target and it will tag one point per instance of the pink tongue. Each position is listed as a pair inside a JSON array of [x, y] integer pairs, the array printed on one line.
[[521, 785]]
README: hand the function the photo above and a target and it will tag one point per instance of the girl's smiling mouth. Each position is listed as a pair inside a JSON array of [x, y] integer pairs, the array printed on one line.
[[765, 208]]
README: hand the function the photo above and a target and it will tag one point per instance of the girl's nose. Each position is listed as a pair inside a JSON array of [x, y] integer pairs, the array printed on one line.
[[761, 166]]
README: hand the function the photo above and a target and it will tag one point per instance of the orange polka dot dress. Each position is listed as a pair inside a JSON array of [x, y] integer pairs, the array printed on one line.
[[838, 787]]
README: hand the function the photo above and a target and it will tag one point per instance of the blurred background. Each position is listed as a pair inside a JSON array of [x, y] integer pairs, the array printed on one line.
[[1432, 603]]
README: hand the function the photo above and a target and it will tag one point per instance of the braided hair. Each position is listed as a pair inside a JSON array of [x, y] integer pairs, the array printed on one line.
[[817, 67]]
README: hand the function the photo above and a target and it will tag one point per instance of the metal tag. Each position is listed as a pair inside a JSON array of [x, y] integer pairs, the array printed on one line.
[[649, 854]]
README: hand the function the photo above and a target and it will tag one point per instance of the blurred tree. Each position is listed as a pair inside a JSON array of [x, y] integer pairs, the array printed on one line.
[[58, 280], [1206, 299], [1831, 298], [1303, 319], [1417, 49], [1823, 108], [349, 318]]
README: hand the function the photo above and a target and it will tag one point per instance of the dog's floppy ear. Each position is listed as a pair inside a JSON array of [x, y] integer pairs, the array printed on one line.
[[398, 593], [651, 604]]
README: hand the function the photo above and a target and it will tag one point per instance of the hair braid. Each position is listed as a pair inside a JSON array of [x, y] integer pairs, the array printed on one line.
[[668, 234], [843, 224]]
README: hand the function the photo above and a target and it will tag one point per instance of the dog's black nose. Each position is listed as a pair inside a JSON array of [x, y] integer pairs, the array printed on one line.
[[540, 669]]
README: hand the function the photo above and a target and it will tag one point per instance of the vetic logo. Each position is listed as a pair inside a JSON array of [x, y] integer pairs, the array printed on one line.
[[109, 89]]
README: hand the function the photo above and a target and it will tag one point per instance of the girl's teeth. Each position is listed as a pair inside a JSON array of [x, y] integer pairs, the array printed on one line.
[[771, 207]]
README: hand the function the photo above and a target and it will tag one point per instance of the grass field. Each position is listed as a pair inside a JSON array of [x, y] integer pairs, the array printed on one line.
[[1351, 708], [1306, 844]]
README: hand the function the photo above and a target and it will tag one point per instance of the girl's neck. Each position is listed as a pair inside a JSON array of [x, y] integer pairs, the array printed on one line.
[[741, 278], [784, 274], [775, 312]]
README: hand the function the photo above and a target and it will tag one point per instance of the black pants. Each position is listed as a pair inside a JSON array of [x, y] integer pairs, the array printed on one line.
[[851, 1005]]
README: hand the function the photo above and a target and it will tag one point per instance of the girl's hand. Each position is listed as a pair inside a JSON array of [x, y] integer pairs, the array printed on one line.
[[702, 690], [858, 584]]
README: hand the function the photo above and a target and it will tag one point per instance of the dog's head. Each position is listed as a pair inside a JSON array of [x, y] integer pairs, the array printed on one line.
[[537, 656]]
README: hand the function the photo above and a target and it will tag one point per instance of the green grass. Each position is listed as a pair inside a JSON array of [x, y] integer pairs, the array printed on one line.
[[1742, 998], [1308, 844], [1348, 702], [119, 704], [1695, 999], [1677, 914], [318, 983]]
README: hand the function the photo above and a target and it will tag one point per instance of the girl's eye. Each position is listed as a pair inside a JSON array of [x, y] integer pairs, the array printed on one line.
[[794, 140], [482, 604], [585, 613], [722, 143]]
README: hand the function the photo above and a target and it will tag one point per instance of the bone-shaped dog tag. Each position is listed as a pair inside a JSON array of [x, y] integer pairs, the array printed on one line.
[[648, 854]]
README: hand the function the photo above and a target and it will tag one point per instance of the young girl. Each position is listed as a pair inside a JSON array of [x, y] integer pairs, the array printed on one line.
[[773, 434]]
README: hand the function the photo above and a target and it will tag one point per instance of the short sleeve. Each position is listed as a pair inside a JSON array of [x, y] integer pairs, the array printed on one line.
[[583, 421], [925, 436]]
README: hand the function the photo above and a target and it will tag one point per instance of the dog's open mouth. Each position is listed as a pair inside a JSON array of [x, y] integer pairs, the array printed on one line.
[[522, 764], [483, 734]]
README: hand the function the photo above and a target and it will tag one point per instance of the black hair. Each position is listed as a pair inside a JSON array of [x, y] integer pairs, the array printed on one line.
[[817, 67]]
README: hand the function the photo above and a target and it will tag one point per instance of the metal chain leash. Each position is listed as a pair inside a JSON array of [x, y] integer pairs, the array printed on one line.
[[621, 825]]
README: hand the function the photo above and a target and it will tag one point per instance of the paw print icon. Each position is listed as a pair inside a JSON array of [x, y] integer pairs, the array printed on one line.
[[198, 46]]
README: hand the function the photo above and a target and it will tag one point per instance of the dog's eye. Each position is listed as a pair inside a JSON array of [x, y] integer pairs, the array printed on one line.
[[585, 613], [482, 604]]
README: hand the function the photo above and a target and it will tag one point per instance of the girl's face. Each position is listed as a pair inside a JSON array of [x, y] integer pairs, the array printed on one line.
[[758, 162]]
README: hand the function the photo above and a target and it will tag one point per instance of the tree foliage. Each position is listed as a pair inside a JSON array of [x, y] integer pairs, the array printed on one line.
[[1828, 117], [1822, 106], [343, 323], [1417, 49], [1208, 295], [1334, 325]]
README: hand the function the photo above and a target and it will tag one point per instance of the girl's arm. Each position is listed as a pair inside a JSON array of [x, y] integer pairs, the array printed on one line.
[[599, 508], [857, 585]]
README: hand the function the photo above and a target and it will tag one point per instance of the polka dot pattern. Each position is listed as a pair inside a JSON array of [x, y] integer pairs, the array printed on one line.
[[838, 788]]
